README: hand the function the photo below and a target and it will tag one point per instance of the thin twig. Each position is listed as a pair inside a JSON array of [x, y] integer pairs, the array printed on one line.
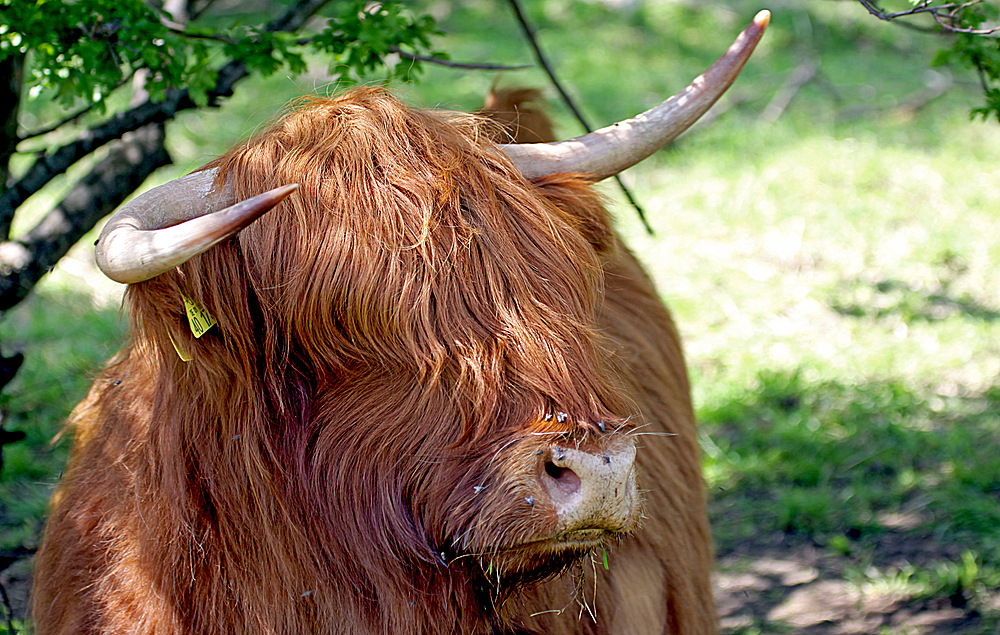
[[923, 7], [944, 14], [450, 64], [212, 37], [955, 29], [981, 72], [485, 66], [803, 74], [543, 62], [70, 119], [198, 11]]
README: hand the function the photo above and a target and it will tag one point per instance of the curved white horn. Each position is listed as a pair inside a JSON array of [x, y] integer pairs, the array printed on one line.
[[143, 239], [610, 150]]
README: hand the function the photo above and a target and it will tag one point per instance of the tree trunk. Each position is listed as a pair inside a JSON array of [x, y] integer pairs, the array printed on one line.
[[11, 74]]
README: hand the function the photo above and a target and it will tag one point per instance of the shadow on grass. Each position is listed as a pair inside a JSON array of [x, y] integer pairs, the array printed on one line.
[[854, 509], [887, 298]]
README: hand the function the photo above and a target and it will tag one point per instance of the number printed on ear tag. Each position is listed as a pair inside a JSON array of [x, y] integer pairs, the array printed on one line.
[[199, 319]]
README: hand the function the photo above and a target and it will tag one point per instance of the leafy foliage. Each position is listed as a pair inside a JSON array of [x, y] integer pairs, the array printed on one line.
[[87, 48], [80, 50], [360, 41], [973, 50], [975, 27]]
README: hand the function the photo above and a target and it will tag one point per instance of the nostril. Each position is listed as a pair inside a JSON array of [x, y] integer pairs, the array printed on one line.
[[562, 480], [553, 470], [589, 488]]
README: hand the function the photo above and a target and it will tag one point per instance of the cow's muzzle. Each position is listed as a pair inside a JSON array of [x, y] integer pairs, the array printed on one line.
[[593, 491]]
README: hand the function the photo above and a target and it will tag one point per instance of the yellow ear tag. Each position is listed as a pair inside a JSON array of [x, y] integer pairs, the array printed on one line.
[[185, 357], [199, 319]]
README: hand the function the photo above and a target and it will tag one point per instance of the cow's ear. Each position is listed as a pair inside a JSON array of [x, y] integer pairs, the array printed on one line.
[[519, 114], [582, 205]]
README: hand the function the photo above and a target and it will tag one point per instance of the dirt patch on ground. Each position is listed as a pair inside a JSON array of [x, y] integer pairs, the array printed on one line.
[[792, 585]]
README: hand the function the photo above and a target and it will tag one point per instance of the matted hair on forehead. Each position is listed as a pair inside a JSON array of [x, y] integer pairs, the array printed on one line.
[[411, 230]]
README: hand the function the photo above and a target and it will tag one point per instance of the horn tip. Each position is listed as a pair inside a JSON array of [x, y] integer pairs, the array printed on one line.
[[279, 193], [762, 19]]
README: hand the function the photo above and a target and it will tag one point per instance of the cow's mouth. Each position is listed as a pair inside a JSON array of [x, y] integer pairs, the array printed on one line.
[[535, 560], [586, 537], [572, 544]]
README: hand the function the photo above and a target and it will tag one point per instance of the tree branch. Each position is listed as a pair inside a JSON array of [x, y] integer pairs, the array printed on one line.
[[11, 72], [179, 30], [922, 7], [70, 118], [46, 168], [944, 14], [802, 75], [295, 17], [109, 183], [198, 10], [529, 33], [450, 64]]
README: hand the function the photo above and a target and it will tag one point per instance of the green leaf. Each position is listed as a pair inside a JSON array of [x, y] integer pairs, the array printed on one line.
[[84, 49]]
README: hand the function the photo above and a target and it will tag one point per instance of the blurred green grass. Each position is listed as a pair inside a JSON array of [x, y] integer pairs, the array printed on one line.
[[66, 339], [833, 271]]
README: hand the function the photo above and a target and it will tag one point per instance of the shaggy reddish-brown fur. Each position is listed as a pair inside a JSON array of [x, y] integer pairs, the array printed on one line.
[[347, 451]]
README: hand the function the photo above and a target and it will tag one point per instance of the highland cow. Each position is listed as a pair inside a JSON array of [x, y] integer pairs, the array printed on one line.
[[415, 401]]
